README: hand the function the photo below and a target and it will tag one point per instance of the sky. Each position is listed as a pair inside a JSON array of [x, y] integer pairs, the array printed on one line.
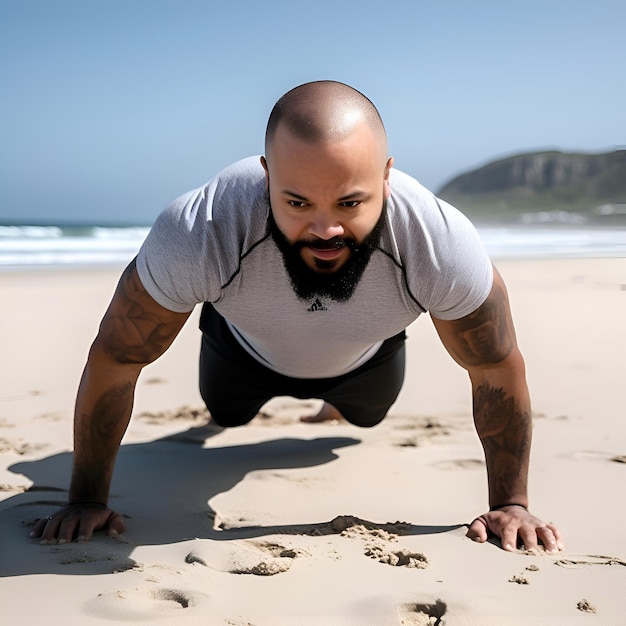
[[109, 110]]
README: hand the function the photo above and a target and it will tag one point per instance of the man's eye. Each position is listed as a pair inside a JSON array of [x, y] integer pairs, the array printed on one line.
[[296, 203], [350, 204]]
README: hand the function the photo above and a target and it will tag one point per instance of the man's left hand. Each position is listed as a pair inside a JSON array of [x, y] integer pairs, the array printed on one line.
[[514, 525]]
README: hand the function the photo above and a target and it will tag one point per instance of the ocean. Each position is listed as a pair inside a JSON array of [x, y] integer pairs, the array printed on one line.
[[52, 246], [73, 245]]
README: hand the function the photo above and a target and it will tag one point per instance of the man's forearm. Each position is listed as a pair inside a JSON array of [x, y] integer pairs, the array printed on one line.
[[503, 422], [102, 414]]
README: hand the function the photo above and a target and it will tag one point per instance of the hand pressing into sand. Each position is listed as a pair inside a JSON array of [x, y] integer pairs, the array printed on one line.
[[514, 525], [78, 521]]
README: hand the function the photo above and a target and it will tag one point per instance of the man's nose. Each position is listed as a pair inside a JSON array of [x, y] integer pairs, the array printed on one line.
[[325, 225]]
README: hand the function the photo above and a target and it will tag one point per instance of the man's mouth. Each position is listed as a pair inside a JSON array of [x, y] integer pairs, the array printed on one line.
[[327, 250]]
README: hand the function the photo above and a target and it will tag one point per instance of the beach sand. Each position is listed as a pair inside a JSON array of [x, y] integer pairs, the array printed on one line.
[[280, 522]]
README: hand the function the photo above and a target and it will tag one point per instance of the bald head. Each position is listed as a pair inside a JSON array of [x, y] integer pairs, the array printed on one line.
[[324, 111]]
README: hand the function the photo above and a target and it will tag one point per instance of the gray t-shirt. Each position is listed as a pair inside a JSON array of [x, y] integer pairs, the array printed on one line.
[[213, 245]]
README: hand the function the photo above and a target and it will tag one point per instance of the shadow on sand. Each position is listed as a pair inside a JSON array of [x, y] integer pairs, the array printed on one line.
[[176, 481]]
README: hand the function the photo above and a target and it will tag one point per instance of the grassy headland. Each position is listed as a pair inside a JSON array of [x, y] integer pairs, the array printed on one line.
[[587, 186]]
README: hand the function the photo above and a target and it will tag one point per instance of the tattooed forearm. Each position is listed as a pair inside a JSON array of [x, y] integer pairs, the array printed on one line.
[[97, 436], [503, 424], [484, 343], [103, 423]]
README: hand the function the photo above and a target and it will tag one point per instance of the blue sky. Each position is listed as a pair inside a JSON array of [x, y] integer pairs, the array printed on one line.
[[108, 110]]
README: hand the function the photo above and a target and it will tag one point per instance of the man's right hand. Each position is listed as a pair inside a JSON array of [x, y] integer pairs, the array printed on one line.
[[78, 521]]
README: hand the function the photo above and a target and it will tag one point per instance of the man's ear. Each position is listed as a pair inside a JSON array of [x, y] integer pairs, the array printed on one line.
[[267, 172], [386, 188]]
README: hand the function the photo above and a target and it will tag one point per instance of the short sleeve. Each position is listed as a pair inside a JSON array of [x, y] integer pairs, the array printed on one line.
[[465, 275], [169, 262], [448, 271]]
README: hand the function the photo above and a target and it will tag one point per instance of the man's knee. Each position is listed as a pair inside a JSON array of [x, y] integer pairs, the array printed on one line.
[[358, 416], [226, 412], [230, 419]]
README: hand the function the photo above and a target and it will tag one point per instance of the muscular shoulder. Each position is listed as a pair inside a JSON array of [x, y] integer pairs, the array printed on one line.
[[197, 242], [235, 194]]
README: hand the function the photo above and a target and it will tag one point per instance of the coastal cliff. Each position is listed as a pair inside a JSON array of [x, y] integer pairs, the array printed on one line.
[[539, 182]]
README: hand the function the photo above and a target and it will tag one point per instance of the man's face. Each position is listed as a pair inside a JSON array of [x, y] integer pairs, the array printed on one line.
[[324, 281], [327, 203]]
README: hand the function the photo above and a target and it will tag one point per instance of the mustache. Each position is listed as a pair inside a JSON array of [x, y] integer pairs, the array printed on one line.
[[326, 244]]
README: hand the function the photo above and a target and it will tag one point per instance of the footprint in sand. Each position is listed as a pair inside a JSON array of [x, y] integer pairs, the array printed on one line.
[[245, 557], [145, 604], [423, 614]]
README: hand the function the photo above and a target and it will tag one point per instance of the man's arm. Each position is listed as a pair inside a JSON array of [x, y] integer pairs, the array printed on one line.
[[484, 344], [135, 331]]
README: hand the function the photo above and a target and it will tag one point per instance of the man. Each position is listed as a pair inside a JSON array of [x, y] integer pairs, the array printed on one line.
[[310, 264]]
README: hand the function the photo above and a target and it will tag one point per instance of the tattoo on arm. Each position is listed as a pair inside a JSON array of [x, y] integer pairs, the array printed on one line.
[[504, 427], [486, 335], [135, 333], [100, 434]]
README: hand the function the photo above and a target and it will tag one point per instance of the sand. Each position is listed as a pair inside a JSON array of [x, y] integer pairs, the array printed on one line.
[[280, 522]]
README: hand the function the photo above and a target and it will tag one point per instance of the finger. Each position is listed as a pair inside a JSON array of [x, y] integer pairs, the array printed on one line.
[[508, 538], [528, 537], [116, 525], [50, 529], [105, 519], [478, 530], [86, 527], [67, 529], [38, 528], [560, 544], [547, 538]]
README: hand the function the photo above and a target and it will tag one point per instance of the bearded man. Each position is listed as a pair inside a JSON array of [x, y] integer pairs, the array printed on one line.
[[309, 263]]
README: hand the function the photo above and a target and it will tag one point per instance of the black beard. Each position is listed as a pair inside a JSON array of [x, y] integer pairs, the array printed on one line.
[[338, 285]]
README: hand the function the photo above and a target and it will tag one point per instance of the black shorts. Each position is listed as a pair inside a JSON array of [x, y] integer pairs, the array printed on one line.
[[234, 385]]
